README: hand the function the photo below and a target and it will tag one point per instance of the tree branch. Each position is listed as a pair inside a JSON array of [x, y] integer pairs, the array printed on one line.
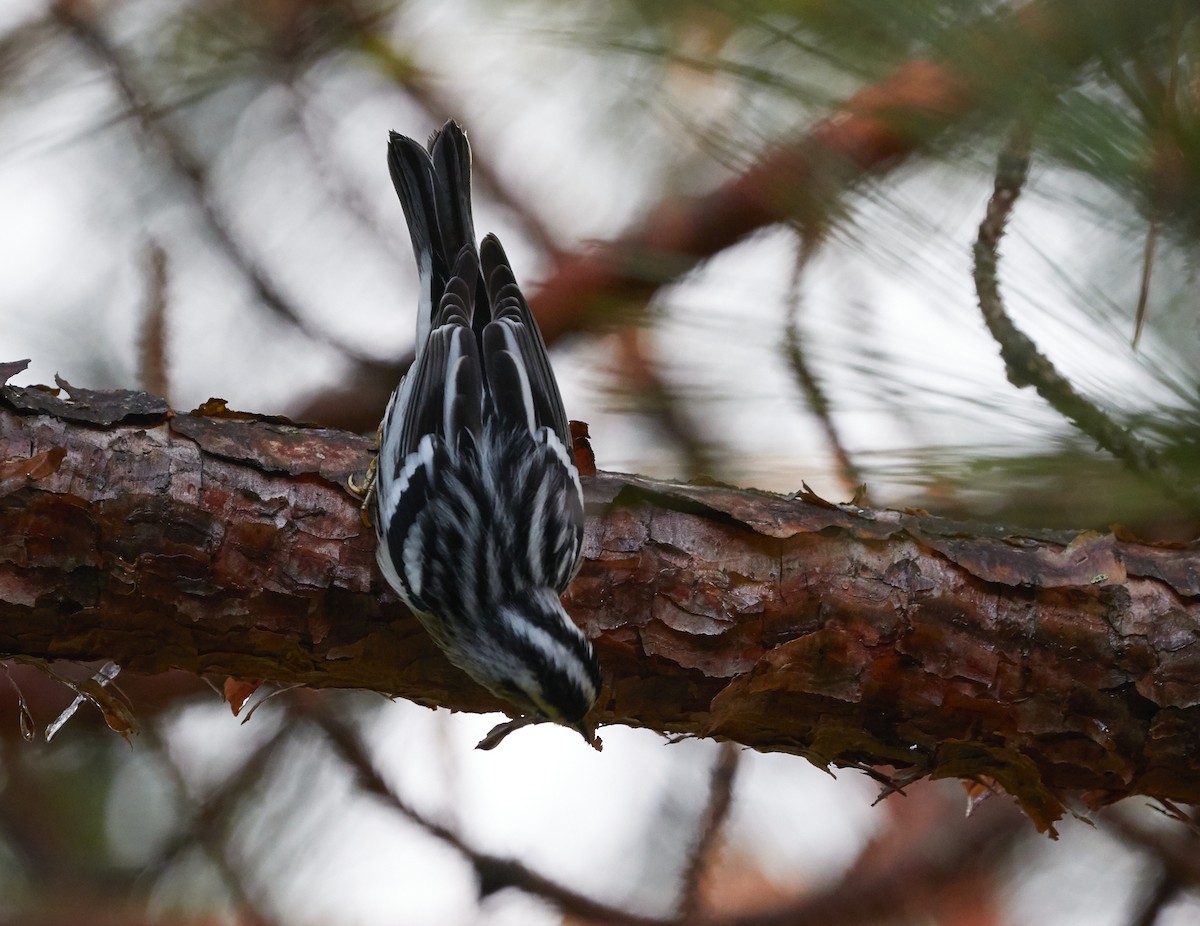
[[1024, 363], [996, 62], [1061, 665], [186, 166]]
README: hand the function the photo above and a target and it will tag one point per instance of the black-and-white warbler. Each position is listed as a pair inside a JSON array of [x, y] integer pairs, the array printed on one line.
[[477, 503]]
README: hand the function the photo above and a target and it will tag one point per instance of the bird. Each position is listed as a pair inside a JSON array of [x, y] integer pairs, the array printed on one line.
[[474, 495]]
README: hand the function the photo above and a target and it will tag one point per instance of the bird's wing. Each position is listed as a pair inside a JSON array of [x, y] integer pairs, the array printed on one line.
[[520, 382], [443, 392]]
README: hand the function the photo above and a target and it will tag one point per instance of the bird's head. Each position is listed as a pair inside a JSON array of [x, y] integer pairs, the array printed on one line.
[[549, 669]]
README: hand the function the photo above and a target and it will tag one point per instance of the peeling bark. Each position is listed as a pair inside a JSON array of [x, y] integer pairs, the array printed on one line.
[[1065, 666]]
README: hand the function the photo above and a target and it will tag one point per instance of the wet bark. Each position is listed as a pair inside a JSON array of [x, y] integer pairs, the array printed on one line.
[[1061, 665]]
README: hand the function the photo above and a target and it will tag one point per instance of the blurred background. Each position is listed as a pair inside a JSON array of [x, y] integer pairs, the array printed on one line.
[[196, 202]]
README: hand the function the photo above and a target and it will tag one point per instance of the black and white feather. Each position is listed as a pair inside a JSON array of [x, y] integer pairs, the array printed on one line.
[[478, 506]]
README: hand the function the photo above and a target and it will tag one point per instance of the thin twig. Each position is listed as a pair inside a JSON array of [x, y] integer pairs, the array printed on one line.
[[302, 112], [1178, 852], [376, 44], [1024, 364], [1149, 97], [810, 386], [152, 347], [720, 799], [22, 45], [209, 818], [913, 878], [640, 377], [1161, 891], [917, 873], [189, 168], [494, 873], [1147, 266], [1174, 854], [1165, 167], [797, 179], [1173, 811]]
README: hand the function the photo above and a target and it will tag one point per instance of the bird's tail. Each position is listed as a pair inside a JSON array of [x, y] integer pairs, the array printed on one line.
[[434, 187]]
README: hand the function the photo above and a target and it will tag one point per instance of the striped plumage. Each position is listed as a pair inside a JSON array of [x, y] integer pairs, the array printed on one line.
[[478, 507]]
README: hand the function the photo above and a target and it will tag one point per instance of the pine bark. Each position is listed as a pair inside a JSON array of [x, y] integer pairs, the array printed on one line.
[[1064, 666]]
